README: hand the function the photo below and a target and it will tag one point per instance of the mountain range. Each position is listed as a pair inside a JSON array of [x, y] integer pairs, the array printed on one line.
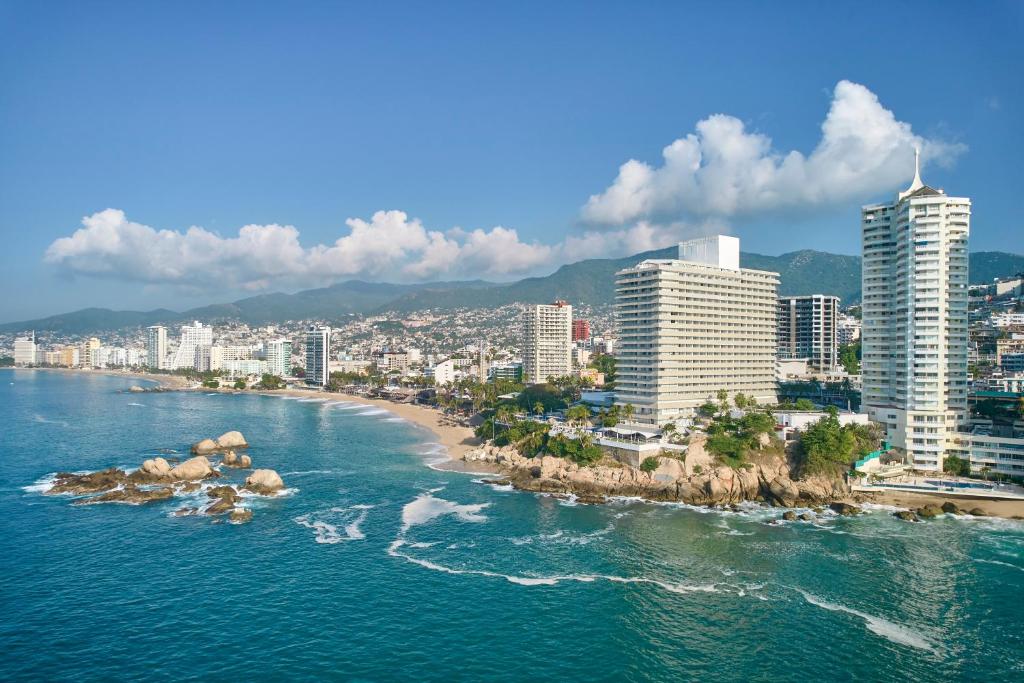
[[585, 282]]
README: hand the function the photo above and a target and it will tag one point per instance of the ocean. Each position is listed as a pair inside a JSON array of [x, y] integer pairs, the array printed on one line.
[[376, 567]]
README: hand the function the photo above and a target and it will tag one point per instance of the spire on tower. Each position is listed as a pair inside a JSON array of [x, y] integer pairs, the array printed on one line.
[[917, 184]]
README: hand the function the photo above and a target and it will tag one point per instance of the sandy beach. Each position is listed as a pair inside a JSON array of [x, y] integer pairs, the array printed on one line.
[[1011, 509]]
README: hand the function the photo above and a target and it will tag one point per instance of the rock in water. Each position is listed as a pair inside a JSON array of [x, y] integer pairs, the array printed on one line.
[[136, 389], [193, 468], [240, 516], [129, 494], [265, 482], [231, 440], [789, 516], [244, 461], [906, 516], [845, 509], [94, 482], [806, 517], [929, 511], [226, 498], [977, 512], [230, 459], [205, 446], [158, 467], [951, 507]]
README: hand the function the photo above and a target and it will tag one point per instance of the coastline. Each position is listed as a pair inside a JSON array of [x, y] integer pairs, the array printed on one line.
[[1007, 509], [167, 382]]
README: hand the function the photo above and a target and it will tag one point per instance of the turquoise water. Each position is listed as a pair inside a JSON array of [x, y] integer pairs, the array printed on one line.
[[378, 568]]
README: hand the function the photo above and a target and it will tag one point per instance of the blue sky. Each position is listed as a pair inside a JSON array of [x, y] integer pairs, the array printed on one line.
[[447, 141]]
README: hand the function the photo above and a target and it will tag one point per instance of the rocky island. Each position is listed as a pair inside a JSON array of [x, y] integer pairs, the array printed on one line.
[[158, 479]]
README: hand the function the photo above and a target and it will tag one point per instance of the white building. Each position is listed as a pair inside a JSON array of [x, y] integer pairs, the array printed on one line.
[[279, 357], [547, 342], [156, 347], [847, 330], [192, 337], [914, 337], [690, 327], [318, 351], [443, 372], [244, 368], [25, 350]]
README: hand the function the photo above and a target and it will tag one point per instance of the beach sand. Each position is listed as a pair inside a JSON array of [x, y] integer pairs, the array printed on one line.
[[1012, 509], [456, 438]]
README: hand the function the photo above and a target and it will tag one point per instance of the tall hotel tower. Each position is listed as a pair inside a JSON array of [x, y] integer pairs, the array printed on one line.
[[547, 342], [318, 354], [914, 353], [691, 327], [156, 347]]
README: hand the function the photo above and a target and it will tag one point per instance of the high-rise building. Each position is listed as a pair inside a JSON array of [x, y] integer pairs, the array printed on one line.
[[192, 337], [580, 330], [318, 351], [807, 329], [279, 357], [87, 354], [690, 327], [25, 351], [914, 335], [547, 343], [156, 347]]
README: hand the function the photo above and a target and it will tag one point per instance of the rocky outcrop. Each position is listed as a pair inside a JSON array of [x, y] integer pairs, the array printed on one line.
[[264, 482], [697, 480], [844, 509], [231, 440], [232, 459], [92, 482], [906, 516], [192, 469], [205, 446], [129, 494], [240, 516], [929, 511], [225, 499], [951, 508]]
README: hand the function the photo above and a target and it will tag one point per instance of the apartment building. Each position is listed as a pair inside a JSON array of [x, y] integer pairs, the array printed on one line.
[[279, 357], [547, 342], [318, 351], [807, 328], [914, 336], [156, 347], [692, 326]]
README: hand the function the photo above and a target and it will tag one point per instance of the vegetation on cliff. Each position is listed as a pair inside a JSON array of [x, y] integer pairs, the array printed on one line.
[[826, 447]]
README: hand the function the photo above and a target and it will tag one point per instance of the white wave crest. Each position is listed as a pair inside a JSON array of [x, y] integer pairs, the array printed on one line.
[[325, 523], [426, 508], [897, 633]]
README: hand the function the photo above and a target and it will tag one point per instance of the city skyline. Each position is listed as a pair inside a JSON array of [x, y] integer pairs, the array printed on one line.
[[533, 176]]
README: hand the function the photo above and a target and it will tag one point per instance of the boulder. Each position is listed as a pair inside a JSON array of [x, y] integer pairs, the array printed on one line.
[[244, 461], [929, 511], [157, 467], [231, 440], [951, 508], [204, 446], [136, 389], [240, 516], [230, 459], [806, 517], [220, 506], [789, 516], [93, 482], [184, 512], [906, 516], [977, 512], [264, 482], [844, 509], [193, 468], [130, 495], [188, 487]]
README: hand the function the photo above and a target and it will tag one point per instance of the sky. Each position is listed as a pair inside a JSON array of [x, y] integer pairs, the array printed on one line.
[[178, 154]]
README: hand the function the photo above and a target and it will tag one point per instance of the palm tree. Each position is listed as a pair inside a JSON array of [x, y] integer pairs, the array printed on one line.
[[577, 415], [538, 408], [627, 411]]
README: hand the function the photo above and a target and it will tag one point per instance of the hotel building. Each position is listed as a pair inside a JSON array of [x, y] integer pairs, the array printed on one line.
[[318, 349], [808, 329], [691, 326], [914, 336], [279, 357], [156, 347], [547, 343]]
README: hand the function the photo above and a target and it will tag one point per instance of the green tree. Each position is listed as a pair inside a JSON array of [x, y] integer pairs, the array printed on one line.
[[960, 467], [239, 383], [649, 464], [577, 415], [627, 411], [849, 357], [740, 399], [723, 400], [538, 408]]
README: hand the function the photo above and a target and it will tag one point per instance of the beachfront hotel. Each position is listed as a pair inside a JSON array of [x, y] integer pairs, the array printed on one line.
[[547, 342], [318, 352], [279, 357], [156, 347], [691, 326], [914, 336], [808, 329]]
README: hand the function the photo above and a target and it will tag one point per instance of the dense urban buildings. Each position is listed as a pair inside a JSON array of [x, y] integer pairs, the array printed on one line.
[[193, 337], [808, 329], [914, 282], [692, 326], [25, 352], [156, 347], [318, 352], [547, 341]]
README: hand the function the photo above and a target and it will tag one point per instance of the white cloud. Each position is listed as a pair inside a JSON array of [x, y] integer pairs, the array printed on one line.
[[724, 170], [389, 246]]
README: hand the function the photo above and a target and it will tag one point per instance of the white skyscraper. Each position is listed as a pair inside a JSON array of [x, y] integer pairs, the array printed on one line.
[[279, 357], [318, 349], [192, 337], [691, 327], [914, 335], [547, 342], [156, 347], [25, 351]]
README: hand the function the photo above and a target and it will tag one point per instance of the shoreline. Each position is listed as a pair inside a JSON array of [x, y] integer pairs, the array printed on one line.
[[165, 382]]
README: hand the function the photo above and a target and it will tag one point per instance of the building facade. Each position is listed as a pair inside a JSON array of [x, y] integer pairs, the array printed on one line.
[[192, 337], [318, 356], [547, 342], [25, 350], [914, 335], [279, 357], [692, 326], [807, 328], [156, 347], [580, 330]]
